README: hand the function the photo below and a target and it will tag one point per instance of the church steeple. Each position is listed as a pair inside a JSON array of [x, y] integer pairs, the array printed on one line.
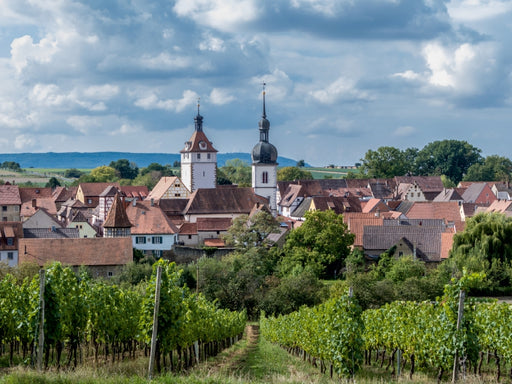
[[264, 124], [198, 120]]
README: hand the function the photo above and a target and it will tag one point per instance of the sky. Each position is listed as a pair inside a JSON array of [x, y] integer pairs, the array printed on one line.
[[343, 76]]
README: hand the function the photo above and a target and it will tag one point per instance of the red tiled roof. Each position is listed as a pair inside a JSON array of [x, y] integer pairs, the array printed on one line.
[[135, 191], [356, 223], [149, 219], [449, 211], [89, 251], [223, 200], [446, 244], [195, 139], [10, 195], [188, 229], [117, 217], [62, 194], [162, 187], [28, 208], [27, 194], [214, 243], [95, 189], [213, 223], [373, 204]]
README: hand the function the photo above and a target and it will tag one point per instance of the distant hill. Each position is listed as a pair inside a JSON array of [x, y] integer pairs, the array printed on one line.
[[66, 160]]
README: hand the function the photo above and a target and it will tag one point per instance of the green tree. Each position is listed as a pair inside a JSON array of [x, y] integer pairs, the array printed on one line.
[[53, 183], [103, 174], [485, 246], [237, 172], [387, 162], [73, 173], [452, 158], [293, 173], [494, 168], [164, 170], [321, 244], [125, 169], [301, 163], [248, 232], [11, 165]]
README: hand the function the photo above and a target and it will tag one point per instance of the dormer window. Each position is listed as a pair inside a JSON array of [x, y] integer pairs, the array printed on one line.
[[202, 145], [187, 144]]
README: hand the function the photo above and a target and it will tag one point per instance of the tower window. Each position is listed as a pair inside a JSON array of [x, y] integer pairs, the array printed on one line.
[[208, 156], [264, 177], [198, 156]]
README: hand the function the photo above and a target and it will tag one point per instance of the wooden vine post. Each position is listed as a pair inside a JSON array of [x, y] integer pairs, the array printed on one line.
[[40, 344], [155, 323], [459, 321]]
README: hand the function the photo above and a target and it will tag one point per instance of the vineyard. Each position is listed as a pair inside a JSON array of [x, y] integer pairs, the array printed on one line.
[[434, 336], [90, 321]]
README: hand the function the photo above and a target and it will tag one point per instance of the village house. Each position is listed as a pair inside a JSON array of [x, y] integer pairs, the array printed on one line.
[[10, 234], [152, 232], [10, 203], [104, 257]]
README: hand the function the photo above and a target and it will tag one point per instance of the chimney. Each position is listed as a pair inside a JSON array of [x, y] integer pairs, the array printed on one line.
[[377, 212], [152, 202], [34, 203], [134, 202]]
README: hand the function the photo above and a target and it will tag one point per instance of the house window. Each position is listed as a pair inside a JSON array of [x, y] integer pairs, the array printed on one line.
[[156, 240], [208, 156], [157, 253], [110, 273], [89, 201], [10, 241], [4, 208], [140, 240], [204, 173], [264, 177], [198, 156], [4, 218], [177, 195], [418, 194], [10, 255], [189, 237]]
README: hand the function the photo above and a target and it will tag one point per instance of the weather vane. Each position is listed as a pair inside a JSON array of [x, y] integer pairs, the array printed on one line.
[[198, 104]]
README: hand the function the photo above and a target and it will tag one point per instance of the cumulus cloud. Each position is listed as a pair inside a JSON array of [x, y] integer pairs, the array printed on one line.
[[224, 15], [23, 51], [152, 101], [341, 89], [220, 96], [476, 10], [211, 43], [278, 84], [24, 142]]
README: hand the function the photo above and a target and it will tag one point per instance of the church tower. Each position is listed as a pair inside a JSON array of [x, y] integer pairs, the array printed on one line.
[[198, 159], [264, 164]]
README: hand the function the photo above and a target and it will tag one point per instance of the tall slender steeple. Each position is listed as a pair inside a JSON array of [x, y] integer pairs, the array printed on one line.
[[198, 159], [198, 120], [264, 163]]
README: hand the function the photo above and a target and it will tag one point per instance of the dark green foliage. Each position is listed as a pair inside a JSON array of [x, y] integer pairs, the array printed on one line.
[[289, 293], [125, 169], [320, 244], [11, 165], [246, 233], [452, 158], [73, 173], [53, 183], [164, 170], [493, 168], [235, 171], [293, 173], [387, 162], [485, 246]]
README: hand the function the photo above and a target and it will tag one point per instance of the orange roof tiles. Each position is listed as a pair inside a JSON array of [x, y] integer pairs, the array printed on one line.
[[449, 211], [89, 251], [149, 219], [10, 195]]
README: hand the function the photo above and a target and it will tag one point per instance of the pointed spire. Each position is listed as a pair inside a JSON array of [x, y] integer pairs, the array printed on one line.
[[264, 112], [198, 119]]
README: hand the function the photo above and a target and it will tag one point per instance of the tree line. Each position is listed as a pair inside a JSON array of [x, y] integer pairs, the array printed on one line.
[[456, 160]]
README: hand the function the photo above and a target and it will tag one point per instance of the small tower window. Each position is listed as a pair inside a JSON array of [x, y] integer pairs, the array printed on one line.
[[264, 177], [198, 156]]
